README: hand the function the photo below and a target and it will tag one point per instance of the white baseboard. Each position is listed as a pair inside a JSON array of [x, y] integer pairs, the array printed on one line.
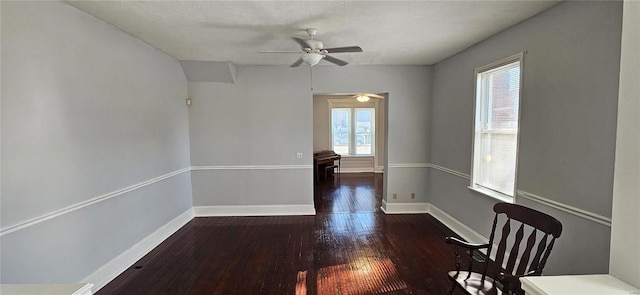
[[458, 227], [404, 208], [254, 210], [356, 170], [122, 262], [415, 208]]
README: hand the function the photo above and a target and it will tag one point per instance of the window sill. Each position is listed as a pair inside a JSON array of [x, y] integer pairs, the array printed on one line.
[[492, 194]]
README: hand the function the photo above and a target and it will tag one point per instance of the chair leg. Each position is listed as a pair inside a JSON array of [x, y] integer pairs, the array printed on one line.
[[452, 288]]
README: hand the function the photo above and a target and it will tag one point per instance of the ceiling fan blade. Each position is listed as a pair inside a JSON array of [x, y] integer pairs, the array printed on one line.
[[303, 43], [334, 60], [344, 49], [375, 95], [297, 63]]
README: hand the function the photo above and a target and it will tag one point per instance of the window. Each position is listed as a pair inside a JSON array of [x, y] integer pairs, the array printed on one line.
[[495, 144], [353, 130]]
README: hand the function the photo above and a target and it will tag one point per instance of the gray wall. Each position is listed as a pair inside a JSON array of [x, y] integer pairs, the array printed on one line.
[[266, 117], [87, 111], [263, 120], [568, 123]]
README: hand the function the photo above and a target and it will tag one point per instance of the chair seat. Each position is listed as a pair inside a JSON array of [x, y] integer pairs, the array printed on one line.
[[473, 285]]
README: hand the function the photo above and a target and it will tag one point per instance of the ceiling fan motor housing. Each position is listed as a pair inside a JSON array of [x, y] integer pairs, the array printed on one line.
[[315, 44]]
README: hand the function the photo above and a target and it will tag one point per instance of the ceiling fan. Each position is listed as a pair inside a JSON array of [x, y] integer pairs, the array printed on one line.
[[364, 97], [312, 51]]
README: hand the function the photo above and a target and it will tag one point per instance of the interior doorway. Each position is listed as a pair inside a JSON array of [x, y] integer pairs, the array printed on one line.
[[353, 130]]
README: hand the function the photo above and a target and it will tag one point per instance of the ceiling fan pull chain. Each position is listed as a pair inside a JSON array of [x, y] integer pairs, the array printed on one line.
[[311, 75]]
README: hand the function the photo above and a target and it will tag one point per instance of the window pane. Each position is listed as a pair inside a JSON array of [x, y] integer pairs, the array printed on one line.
[[496, 166], [341, 126], [497, 128], [364, 131]]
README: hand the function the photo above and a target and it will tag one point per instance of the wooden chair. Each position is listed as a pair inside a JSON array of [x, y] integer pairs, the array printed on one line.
[[542, 230]]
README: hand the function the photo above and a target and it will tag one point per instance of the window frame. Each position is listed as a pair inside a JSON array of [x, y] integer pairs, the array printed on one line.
[[518, 57], [354, 104]]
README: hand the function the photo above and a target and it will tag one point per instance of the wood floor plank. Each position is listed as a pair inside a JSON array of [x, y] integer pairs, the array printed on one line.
[[348, 247]]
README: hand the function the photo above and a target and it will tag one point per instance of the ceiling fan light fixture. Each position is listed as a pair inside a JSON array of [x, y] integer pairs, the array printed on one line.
[[362, 98], [311, 59]]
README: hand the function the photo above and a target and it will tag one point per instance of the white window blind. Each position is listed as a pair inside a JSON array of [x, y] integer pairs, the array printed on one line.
[[496, 127]]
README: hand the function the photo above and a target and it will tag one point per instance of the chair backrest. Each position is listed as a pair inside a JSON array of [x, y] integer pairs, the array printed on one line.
[[541, 229]]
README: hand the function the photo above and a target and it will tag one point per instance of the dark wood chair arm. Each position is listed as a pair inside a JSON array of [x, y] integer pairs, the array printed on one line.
[[461, 243]]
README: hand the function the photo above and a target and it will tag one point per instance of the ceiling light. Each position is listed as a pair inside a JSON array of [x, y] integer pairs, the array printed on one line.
[[311, 59], [362, 98]]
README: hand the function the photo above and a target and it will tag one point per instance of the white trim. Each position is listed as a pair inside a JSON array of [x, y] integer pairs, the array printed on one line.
[[430, 165], [122, 262], [356, 170], [606, 221], [458, 227], [77, 206], [404, 208], [450, 171], [465, 232], [410, 165], [254, 210], [252, 167], [493, 194]]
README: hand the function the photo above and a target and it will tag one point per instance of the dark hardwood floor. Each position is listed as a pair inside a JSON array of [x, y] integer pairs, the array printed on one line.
[[349, 247]]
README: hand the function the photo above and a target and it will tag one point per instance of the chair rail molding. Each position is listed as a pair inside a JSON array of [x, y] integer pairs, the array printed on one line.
[[409, 165], [251, 167], [450, 171], [36, 220], [603, 220], [606, 221], [53, 214], [432, 166]]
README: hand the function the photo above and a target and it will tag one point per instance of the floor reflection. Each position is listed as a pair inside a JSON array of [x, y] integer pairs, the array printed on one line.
[[349, 193], [351, 252], [362, 276]]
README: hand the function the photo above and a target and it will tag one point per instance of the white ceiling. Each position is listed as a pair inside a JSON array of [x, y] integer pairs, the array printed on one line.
[[390, 32]]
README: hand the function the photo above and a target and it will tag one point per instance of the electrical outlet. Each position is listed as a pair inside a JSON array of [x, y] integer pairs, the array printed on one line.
[[395, 196], [298, 155], [413, 196]]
